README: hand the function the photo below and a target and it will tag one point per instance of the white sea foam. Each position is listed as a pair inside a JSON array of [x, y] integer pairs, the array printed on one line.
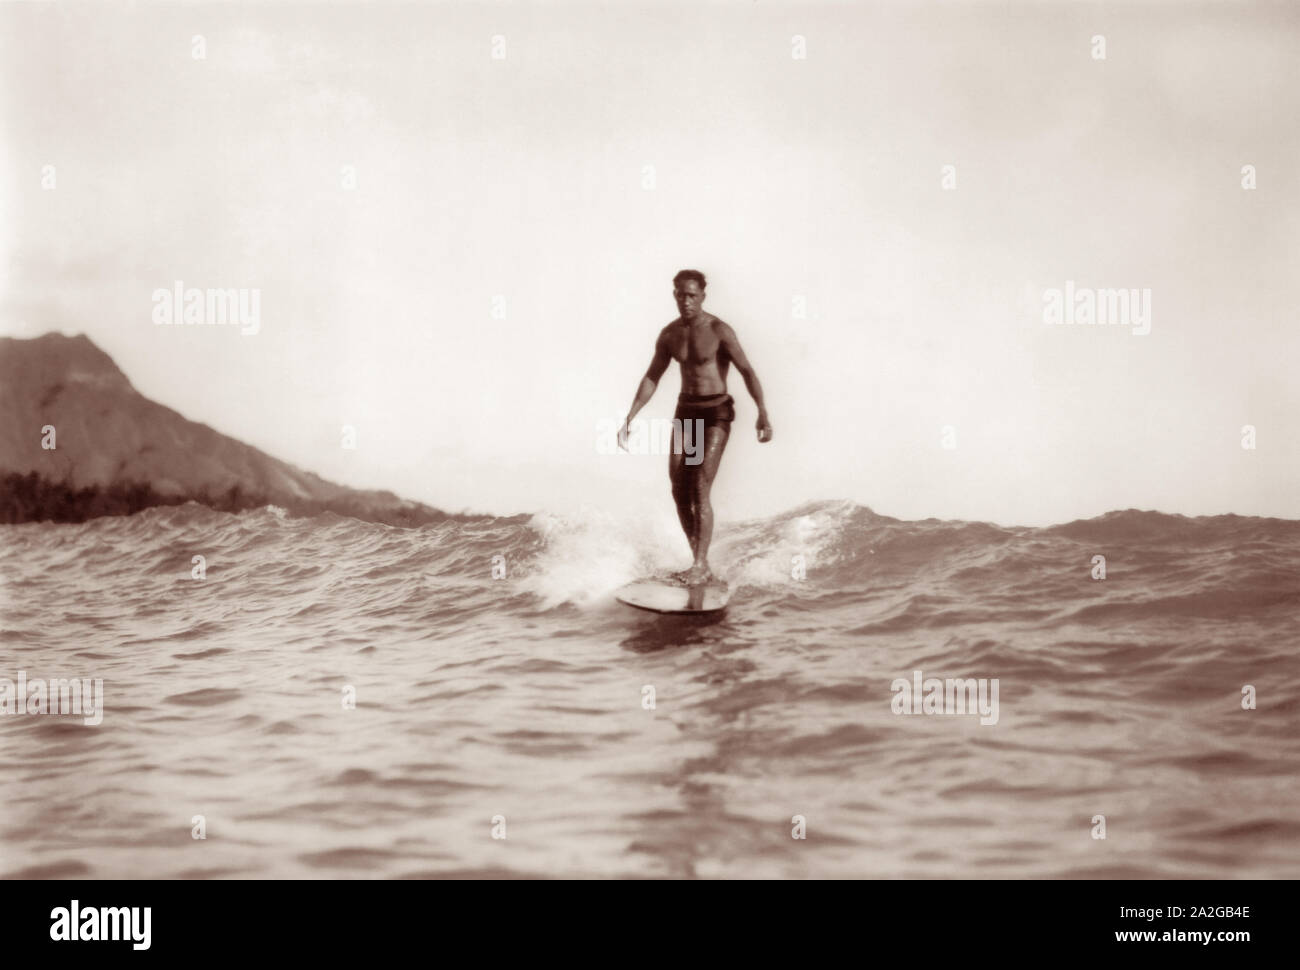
[[589, 556]]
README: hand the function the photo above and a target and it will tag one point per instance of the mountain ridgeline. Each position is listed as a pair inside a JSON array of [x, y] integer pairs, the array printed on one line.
[[118, 452]]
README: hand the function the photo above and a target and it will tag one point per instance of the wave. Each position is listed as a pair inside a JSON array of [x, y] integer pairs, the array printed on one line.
[[836, 552]]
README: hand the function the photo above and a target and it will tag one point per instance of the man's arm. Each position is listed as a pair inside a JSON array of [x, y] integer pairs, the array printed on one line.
[[732, 345], [658, 364]]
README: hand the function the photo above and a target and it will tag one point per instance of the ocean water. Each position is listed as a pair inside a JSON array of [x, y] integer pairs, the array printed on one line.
[[520, 704]]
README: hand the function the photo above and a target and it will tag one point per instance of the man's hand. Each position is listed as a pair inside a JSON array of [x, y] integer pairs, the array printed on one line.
[[764, 427]]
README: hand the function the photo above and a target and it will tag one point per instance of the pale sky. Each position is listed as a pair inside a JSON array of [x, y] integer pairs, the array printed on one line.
[[819, 178]]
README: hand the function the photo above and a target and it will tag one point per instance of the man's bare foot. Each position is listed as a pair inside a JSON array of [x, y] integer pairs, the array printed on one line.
[[697, 575]]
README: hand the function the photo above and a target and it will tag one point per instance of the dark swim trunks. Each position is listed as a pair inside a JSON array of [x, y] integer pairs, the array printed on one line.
[[715, 410]]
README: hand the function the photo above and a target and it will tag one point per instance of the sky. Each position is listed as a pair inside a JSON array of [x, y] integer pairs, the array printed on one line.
[[463, 222]]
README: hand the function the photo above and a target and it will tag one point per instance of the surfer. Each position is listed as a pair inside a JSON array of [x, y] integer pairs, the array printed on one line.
[[705, 347]]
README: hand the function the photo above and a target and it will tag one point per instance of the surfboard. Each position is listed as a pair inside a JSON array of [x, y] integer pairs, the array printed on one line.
[[664, 596]]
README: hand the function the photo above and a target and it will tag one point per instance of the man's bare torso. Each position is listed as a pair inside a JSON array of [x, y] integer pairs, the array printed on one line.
[[698, 349]]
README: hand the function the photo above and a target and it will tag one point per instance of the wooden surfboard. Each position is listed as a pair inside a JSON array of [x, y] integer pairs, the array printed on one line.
[[665, 596]]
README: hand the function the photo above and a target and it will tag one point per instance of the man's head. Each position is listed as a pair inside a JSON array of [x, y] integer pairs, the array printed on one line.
[[688, 291]]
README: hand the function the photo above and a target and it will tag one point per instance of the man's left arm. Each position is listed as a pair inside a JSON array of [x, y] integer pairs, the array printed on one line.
[[732, 345]]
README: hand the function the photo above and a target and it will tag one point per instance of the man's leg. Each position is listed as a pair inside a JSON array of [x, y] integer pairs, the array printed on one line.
[[680, 474], [701, 487]]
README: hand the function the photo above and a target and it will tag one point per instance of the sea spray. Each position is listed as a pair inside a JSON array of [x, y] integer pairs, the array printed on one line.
[[586, 557]]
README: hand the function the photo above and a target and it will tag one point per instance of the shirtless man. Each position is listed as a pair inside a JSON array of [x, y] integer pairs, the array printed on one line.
[[705, 347]]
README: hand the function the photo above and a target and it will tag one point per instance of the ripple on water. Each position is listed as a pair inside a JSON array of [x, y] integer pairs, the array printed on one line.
[[206, 697]]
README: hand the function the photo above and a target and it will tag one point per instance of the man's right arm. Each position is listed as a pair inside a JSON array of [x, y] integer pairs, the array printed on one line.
[[658, 364]]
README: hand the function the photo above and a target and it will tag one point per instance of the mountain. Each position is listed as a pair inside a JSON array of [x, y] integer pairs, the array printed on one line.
[[117, 451]]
